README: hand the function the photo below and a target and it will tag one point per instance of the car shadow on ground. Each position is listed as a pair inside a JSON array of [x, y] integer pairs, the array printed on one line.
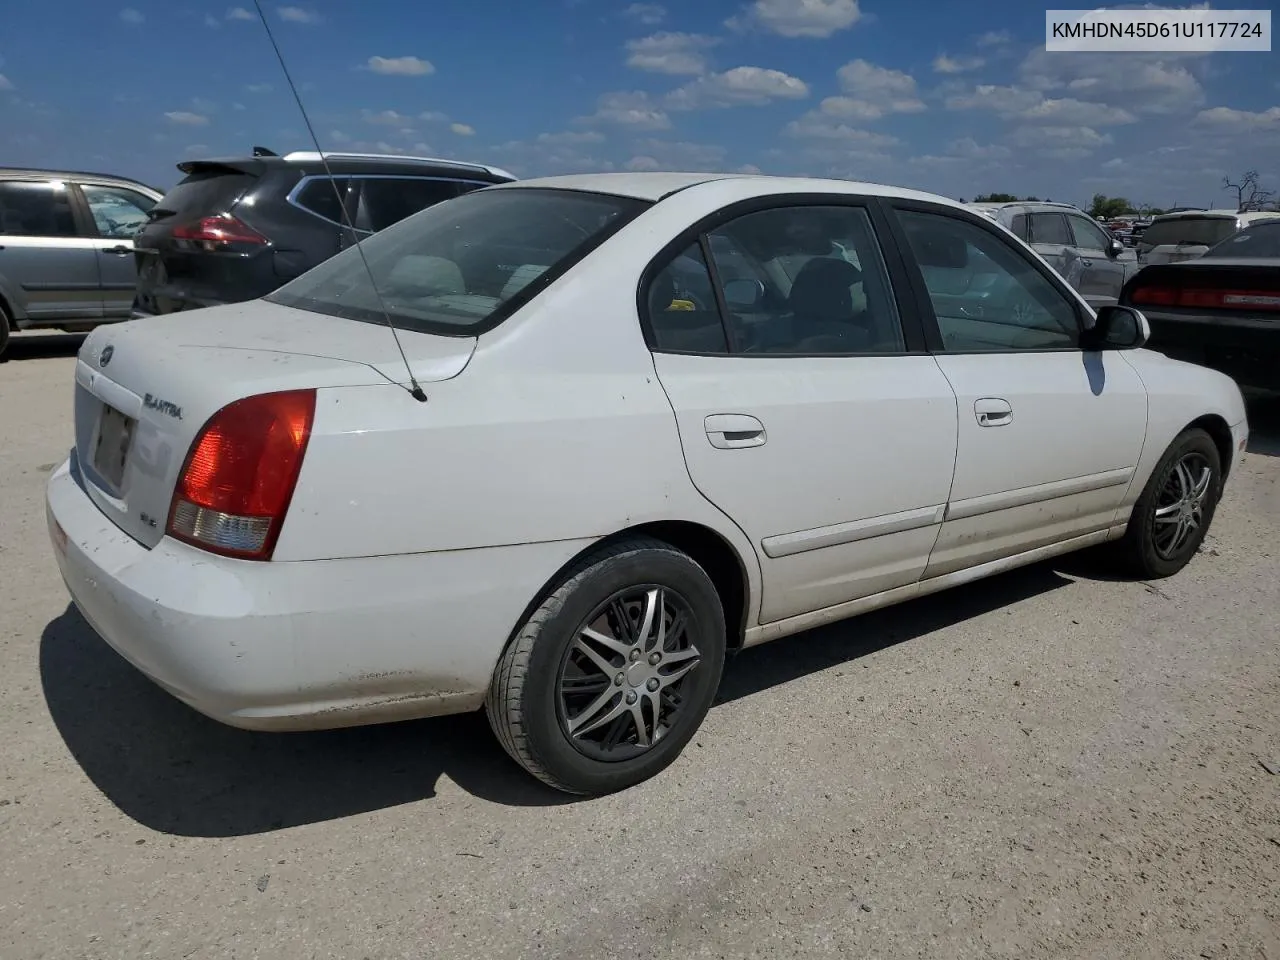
[[1264, 426], [178, 772], [40, 346]]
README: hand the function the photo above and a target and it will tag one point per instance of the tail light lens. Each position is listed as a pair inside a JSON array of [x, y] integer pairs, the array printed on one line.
[[239, 476], [221, 232], [1215, 299]]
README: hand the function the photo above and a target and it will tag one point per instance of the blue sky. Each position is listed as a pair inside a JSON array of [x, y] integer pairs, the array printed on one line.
[[955, 98]]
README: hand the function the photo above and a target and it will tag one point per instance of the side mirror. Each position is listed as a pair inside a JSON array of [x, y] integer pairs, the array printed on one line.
[[1114, 248], [743, 294], [1117, 328]]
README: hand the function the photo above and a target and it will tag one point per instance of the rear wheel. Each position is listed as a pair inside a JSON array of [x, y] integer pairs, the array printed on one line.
[[1172, 516], [610, 677]]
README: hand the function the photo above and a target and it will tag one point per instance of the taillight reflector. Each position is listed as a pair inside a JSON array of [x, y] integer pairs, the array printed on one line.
[[239, 475], [1216, 299], [218, 232]]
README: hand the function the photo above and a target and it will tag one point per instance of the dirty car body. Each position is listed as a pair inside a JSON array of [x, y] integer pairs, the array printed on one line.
[[665, 416]]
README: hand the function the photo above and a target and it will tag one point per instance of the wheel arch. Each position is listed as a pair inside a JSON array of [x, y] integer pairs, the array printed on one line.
[[1220, 432], [708, 548]]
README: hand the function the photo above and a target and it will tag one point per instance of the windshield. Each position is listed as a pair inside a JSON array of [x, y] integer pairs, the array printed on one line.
[[463, 265], [1205, 231], [1262, 240]]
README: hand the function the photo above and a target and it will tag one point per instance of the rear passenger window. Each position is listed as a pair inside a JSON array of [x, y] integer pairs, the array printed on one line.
[[1019, 227], [320, 196], [1049, 228], [388, 200], [36, 209], [682, 307]]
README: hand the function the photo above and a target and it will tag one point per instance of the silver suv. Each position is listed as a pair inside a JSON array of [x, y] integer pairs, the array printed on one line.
[[66, 248], [1088, 257]]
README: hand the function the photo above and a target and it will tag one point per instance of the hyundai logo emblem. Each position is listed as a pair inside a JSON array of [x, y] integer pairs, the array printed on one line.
[[107, 351]]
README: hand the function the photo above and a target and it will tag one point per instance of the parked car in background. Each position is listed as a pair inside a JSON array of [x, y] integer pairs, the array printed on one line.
[[1222, 309], [1074, 244], [66, 248], [1185, 235], [235, 229], [639, 421]]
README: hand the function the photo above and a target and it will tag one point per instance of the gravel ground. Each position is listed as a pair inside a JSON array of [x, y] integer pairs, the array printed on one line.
[[1047, 764]]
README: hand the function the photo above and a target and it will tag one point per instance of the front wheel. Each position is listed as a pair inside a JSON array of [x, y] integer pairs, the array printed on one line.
[[612, 675], [1172, 516]]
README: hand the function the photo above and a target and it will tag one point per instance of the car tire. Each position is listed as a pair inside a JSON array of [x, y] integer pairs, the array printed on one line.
[[4, 332], [1173, 514], [576, 725]]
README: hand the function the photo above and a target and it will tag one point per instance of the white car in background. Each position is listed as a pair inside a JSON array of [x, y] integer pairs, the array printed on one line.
[[658, 418], [1188, 234]]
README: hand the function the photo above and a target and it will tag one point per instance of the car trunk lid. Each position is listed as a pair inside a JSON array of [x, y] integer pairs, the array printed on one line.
[[144, 389]]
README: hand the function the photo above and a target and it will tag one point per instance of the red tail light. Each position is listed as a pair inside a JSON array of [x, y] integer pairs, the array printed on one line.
[[238, 479], [1214, 299], [219, 232]]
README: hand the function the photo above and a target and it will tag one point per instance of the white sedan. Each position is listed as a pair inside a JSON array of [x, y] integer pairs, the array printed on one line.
[[557, 447]]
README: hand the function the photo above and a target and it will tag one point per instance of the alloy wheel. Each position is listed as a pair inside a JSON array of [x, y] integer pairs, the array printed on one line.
[[621, 682], [1180, 505]]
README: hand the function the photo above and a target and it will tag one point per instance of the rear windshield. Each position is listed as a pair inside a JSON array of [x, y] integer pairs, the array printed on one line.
[[1204, 231], [465, 264], [205, 192], [1260, 240]]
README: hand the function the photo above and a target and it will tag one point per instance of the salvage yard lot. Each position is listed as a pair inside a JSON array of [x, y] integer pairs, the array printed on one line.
[[1049, 763]]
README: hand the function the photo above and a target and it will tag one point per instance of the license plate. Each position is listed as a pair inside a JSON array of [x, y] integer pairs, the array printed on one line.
[[115, 433]]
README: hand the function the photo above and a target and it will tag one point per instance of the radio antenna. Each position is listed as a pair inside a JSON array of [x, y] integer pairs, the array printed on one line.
[[415, 390]]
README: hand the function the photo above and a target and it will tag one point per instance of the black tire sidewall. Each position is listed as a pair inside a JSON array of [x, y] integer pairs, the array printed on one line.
[[1142, 531], [547, 742], [4, 331]]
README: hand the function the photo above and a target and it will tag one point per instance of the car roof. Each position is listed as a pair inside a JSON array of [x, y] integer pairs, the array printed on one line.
[[656, 186], [37, 172], [1193, 214], [352, 163]]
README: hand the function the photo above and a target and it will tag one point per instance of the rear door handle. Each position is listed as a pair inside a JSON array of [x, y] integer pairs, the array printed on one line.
[[732, 431], [993, 412], [118, 250]]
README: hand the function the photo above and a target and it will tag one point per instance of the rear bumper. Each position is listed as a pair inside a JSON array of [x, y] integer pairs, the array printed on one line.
[[297, 645], [1246, 349]]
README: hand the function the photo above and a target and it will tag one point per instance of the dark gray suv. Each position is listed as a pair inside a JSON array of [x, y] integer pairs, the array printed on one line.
[[66, 248], [236, 229]]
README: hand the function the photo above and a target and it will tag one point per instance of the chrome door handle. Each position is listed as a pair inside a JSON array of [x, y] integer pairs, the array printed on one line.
[[993, 412], [120, 250], [733, 431]]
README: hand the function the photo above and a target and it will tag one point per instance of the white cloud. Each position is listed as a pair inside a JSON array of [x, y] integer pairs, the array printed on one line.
[[643, 163], [298, 15], [629, 109], [1031, 106], [187, 118], [741, 86], [130, 15], [872, 92], [401, 66], [433, 116], [1226, 120], [815, 126], [672, 53], [945, 64], [681, 155], [238, 106], [555, 152], [994, 38], [646, 13], [462, 129], [240, 13], [5, 83], [337, 136], [569, 137], [211, 21], [969, 149], [748, 168], [1141, 83], [258, 87], [798, 18], [385, 118], [1064, 141]]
